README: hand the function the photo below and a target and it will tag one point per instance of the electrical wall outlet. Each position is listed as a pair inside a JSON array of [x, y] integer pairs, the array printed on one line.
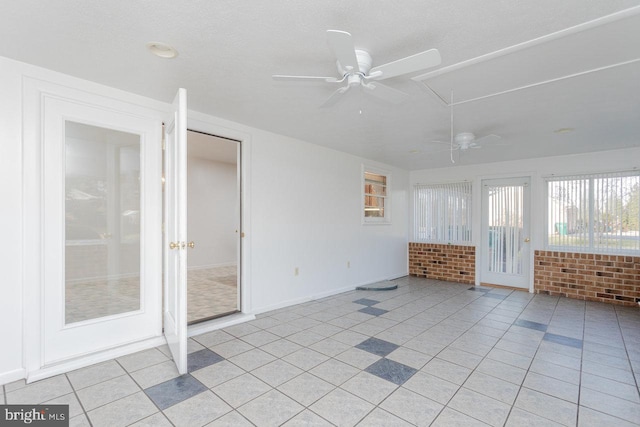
[[348, 264], [296, 271]]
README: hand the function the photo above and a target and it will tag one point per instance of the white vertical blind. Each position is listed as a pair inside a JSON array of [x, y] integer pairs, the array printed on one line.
[[442, 213], [506, 205], [595, 212]]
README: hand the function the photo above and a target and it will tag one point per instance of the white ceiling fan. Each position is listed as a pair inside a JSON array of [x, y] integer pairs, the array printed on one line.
[[463, 141], [354, 68], [466, 140]]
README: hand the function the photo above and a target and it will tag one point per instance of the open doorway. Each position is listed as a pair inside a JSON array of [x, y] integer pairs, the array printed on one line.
[[213, 221]]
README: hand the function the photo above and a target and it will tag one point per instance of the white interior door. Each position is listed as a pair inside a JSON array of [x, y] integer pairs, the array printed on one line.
[[505, 232], [175, 236], [100, 240]]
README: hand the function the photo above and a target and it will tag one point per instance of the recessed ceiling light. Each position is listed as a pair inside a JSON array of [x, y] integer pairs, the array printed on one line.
[[162, 50], [564, 130]]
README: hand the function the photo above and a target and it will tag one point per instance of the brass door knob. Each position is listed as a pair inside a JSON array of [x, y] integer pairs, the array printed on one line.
[[527, 240], [174, 245], [191, 244]]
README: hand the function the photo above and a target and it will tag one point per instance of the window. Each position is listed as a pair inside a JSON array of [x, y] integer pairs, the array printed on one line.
[[376, 196], [594, 213], [442, 213]]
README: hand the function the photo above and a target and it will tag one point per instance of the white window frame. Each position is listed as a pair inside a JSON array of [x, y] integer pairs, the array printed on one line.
[[386, 219], [590, 233], [451, 188]]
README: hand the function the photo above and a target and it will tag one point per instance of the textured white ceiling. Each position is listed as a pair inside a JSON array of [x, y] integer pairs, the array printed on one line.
[[229, 50]]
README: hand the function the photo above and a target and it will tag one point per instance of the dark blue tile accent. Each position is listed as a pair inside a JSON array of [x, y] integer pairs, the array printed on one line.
[[174, 391], [367, 302], [495, 296], [201, 359], [373, 311], [389, 370], [561, 339], [377, 346], [531, 325]]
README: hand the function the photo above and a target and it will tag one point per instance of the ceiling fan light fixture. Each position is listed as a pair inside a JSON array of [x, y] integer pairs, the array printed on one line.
[[162, 50]]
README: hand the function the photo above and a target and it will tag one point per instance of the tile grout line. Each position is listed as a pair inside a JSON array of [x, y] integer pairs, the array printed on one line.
[[513, 405], [626, 350], [75, 393], [143, 390]]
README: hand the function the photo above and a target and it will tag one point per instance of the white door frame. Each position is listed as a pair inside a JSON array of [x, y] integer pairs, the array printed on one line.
[[201, 123], [35, 94], [482, 271]]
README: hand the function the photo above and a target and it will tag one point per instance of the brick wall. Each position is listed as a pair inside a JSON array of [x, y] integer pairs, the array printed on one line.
[[606, 278], [453, 263]]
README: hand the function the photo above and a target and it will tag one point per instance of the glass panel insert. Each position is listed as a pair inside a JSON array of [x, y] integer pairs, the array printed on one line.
[[102, 222], [505, 229]]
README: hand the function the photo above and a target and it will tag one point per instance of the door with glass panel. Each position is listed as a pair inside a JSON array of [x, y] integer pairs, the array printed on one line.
[[505, 232], [101, 240]]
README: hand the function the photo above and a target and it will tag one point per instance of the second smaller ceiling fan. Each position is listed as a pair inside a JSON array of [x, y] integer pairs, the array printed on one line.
[[466, 140]]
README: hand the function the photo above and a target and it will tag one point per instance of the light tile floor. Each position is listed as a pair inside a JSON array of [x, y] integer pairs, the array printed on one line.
[[431, 353]]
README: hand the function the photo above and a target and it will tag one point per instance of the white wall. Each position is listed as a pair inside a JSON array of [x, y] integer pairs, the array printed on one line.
[[11, 254], [307, 214], [302, 209], [212, 216], [537, 169]]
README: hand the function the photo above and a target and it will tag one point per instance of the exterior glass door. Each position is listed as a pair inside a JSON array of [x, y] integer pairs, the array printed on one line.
[[505, 232]]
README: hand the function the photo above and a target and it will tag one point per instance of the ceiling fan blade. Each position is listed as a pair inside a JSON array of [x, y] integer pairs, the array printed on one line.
[[419, 61], [335, 97], [342, 46], [385, 92], [284, 78], [488, 139]]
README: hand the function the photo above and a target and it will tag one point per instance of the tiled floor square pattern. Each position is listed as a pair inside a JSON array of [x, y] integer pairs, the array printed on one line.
[[427, 353]]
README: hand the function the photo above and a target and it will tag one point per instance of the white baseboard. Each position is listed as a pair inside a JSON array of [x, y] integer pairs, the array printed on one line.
[[81, 362], [304, 299], [329, 293], [11, 376]]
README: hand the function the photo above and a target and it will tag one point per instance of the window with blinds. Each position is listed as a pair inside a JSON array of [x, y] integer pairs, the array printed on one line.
[[597, 213], [442, 213]]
